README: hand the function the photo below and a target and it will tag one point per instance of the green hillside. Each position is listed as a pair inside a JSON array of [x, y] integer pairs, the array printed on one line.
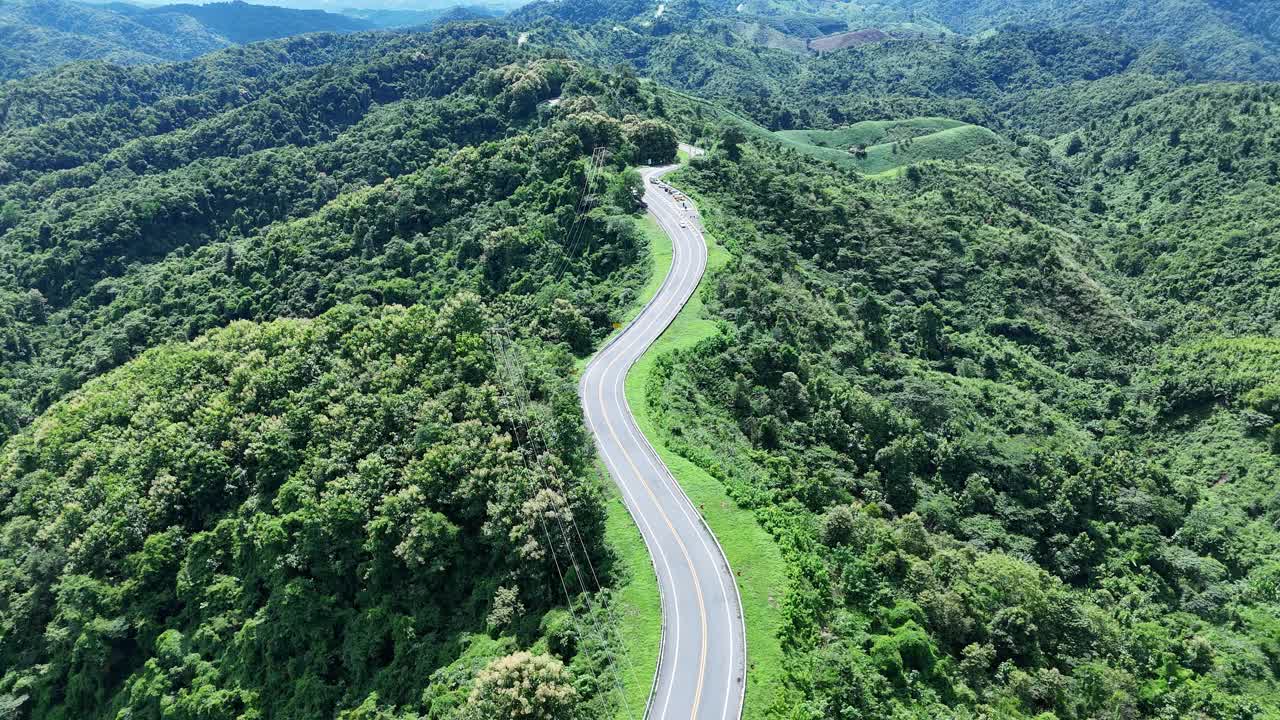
[[216, 315], [983, 378], [1193, 177], [935, 390], [972, 80], [37, 35], [877, 146]]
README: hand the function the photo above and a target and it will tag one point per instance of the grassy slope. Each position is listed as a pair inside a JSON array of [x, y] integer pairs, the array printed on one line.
[[660, 253], [951, 140], [952, 144], [751, 551], [934, 138], [870, 132]]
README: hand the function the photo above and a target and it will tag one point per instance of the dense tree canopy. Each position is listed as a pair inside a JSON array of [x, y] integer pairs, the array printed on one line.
[[282, 518], [357, 515], [1009, 471], [434, 165], [288, 335]]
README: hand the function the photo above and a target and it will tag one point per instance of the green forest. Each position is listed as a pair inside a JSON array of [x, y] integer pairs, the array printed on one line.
[[290, 333], [285, 480], [1003, 485]]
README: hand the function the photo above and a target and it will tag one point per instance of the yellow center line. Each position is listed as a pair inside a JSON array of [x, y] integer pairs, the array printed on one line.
[[683, 501], [697, 586]]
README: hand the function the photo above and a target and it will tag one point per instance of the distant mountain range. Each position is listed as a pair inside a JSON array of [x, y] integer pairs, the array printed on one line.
[[404, 18], [241, 22], [1227, 39], [38, 35], [1236, 38]]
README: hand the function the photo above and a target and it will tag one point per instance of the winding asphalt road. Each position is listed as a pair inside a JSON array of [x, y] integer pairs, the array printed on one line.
[[701, 664]]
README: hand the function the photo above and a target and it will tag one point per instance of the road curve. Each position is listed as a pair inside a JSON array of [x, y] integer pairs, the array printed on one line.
[[702, 658]]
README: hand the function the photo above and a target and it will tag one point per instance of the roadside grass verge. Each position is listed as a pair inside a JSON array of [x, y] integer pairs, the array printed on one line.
[[660, 254], [637, 603]]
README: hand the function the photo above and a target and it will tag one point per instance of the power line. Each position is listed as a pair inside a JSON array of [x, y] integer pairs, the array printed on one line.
[[579, 215], [583, 194], [552, 494], [515, 377], [577, 230], [598, 156], [542, 522], [521, 398]]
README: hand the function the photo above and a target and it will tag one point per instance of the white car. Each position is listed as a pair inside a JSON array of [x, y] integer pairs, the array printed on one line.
[[684, 224]]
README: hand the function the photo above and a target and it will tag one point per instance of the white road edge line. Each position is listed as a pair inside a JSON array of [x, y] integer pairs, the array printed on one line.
[[664, 212]]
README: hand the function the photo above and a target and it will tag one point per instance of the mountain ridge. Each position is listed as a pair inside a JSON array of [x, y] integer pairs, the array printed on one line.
[[43, 34]]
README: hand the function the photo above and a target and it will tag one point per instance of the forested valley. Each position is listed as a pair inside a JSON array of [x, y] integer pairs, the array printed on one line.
[[289, 336]]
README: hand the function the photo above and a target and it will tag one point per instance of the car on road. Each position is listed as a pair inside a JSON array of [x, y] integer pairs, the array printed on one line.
[[684, 224]]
